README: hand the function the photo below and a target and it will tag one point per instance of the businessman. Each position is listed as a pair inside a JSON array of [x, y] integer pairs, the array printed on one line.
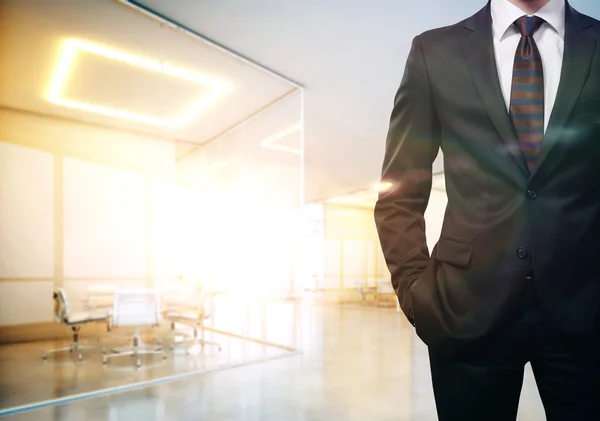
[[511, 96]]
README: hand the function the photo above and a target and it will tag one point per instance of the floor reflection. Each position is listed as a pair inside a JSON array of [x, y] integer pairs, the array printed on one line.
[[27, 379], [357, 365]]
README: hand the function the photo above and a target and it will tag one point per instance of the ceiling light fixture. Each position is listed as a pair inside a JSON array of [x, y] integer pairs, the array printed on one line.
[[270, 141], [72, 47]]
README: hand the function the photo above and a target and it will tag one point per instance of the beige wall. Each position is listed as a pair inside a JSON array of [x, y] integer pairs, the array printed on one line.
[[78, 207], [352, 252]]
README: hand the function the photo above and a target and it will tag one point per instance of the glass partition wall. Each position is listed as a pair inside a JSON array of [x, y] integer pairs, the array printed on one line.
[[137, 155]]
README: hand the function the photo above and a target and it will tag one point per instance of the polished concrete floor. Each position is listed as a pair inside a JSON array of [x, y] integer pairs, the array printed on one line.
[[26, 378], [357, 365]]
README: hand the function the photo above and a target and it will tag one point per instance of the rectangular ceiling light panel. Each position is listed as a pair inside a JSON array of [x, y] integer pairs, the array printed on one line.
[[66, 64]]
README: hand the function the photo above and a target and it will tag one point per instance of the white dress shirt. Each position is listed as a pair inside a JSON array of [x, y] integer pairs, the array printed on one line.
[[549, 39]]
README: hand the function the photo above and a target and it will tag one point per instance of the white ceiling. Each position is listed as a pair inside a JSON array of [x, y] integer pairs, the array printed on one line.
[[246, 145], [32, 40], [350, 57]]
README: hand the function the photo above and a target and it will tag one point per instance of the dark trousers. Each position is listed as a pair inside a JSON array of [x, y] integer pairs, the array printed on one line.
[[484, 381]]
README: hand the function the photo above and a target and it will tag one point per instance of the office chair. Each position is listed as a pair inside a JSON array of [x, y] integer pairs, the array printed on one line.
[[74, 320], [189, 309], [136, 309]]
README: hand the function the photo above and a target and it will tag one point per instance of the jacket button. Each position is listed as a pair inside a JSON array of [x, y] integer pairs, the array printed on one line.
[[532, 194], [522, 253]]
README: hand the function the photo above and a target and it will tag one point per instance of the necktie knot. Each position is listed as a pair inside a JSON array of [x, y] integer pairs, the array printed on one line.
[[527, 25]]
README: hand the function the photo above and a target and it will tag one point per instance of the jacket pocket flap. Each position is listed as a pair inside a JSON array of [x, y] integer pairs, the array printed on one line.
[[453, 252]]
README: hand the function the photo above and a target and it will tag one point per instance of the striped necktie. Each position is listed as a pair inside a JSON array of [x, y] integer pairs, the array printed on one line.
[[527, 92]]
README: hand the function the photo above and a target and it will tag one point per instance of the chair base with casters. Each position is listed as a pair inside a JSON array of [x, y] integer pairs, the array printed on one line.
[[75, 347], [197, 336], [136, 351]]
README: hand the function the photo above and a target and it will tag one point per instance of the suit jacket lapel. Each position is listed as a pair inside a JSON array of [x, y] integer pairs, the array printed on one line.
[[478, 49], [578, 53]]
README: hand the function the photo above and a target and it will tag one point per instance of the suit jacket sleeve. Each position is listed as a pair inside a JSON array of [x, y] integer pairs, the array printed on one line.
[[412, 145]]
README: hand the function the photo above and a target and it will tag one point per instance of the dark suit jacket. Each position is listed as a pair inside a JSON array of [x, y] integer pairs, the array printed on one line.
[[501, 221]]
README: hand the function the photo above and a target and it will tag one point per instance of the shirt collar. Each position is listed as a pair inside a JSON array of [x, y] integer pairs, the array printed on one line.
[[504, 14]]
